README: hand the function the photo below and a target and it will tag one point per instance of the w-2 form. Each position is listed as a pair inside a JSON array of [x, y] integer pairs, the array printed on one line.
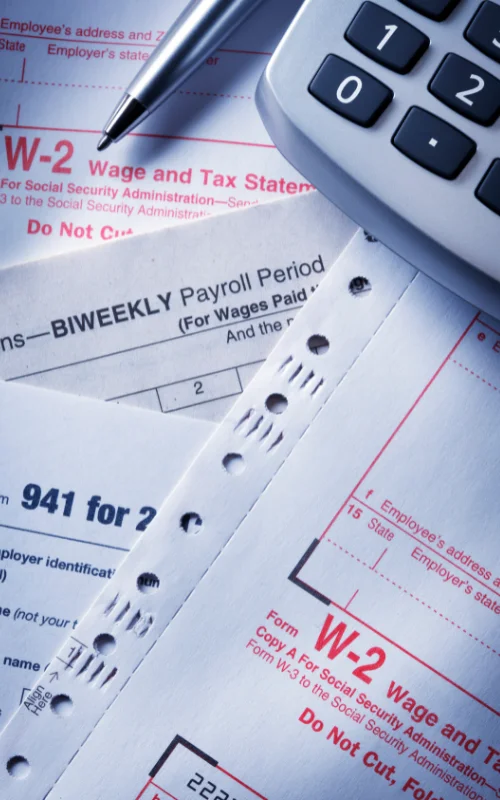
[[63, 67]]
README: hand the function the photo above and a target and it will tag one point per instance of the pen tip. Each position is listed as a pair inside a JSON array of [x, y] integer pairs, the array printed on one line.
[[104, 142]]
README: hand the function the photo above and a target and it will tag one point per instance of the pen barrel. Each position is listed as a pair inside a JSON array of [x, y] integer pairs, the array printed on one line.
[[196, 33]]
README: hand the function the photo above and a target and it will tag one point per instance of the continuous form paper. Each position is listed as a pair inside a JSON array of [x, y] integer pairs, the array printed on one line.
[[206, 508], [345, 641], [79, 482], [176, 320], [63, 68]]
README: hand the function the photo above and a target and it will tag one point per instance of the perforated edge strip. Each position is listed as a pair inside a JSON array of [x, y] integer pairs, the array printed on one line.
[[208, 505]]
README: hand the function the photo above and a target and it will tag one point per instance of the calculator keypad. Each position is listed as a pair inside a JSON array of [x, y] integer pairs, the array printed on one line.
[[488, 191], [484, 30], [433, 143], [435, 9], [432, 158], [350, 91], [468, 89], [386, 38], [460, 84]]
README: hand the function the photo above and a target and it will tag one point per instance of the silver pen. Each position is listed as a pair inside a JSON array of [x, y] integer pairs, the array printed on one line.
[[196, 33]]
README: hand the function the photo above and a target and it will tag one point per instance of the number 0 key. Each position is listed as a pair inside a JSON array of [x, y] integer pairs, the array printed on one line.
[[350, 91]]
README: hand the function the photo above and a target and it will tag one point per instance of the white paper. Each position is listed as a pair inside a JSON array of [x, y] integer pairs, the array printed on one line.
[[79, 482], [175, 320], [363, 665], [205, 509], [64, 67]]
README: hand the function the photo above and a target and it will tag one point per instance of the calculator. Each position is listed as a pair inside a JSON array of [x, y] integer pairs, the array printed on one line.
[[391, 109]]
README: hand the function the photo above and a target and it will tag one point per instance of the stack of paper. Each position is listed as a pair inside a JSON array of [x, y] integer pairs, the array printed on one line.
[[344, 633], [300, 601]]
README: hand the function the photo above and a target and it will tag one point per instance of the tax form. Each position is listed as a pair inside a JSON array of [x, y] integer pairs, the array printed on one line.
[[79, 482], [175, 320], [345, 641], [63, 67]]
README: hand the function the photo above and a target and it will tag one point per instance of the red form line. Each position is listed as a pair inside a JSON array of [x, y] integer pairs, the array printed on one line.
[[417, 659], [196, 93], [122, 43], [414, 597], [475, 375], [70, 85], [379, 559], [107, 42], [485, 325], [350, 601], [143, 135], [60, 85], [143, 790], [245, 785], [400, 425], [152, 783], [436, 552]]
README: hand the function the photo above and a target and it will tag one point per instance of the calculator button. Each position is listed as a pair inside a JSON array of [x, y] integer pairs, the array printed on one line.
[[468, 89], [350, 91], [435, 9], [433, 143], [488, 191], [484, 30], [386, 38]]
